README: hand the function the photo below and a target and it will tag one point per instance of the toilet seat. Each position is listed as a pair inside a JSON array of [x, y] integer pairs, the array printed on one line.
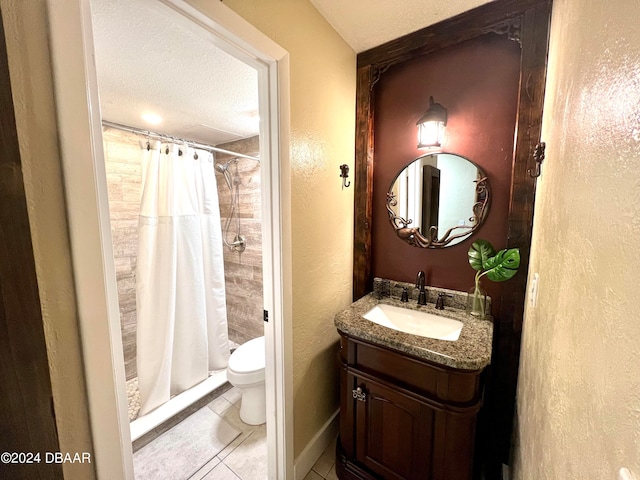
[[247, 363]]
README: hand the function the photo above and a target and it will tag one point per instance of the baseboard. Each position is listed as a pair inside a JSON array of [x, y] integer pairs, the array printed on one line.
[[318, 444]]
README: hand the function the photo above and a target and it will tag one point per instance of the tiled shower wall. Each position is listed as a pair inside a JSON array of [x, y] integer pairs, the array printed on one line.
[[122, 162], [243, 273]]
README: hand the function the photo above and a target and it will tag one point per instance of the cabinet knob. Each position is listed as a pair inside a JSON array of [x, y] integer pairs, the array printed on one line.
[[359, 394]]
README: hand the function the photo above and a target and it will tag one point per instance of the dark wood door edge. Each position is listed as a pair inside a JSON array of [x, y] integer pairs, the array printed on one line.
[[26, 416]]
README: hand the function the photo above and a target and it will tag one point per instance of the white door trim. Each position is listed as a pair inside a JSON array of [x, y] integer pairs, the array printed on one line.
[[80, 134]]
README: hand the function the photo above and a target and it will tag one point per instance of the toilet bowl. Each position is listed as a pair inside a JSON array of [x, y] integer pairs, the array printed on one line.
[[246, 371]]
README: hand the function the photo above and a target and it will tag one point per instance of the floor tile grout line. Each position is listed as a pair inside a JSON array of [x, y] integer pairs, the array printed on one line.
[[253, 430], [233, 471], [235, 448], [202, 475]]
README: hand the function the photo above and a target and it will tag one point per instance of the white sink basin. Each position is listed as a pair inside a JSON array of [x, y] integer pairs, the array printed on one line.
[[415, 322]]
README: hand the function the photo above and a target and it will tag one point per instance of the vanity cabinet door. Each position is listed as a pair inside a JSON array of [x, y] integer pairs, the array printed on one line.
[[393, 432], [403, 419]]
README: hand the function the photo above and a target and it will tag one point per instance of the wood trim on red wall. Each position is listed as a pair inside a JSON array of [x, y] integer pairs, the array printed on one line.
[[508, 324], [527, 21], [363, 179]]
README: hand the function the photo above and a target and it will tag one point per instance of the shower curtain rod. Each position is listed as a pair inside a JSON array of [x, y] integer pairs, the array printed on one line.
[[201, 146]]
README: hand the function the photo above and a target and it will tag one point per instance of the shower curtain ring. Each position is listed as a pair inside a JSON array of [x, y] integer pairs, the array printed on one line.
[[148, 146], [195, 156]]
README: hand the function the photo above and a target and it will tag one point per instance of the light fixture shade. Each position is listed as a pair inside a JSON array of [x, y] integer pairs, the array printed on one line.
[[431, 125]]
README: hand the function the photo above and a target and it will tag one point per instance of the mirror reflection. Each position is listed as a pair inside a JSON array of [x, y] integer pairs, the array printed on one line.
[[438, 200]]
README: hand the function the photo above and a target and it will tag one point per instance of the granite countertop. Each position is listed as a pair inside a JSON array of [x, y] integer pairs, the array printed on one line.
[[472, 350]]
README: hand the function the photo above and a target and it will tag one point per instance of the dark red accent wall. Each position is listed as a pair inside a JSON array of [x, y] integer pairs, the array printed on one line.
[[478, 82]]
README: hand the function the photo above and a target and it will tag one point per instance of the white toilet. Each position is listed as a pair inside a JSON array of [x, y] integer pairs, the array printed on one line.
[[246, 371]]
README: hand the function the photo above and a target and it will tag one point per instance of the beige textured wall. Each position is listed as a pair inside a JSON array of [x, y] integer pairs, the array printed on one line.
[[579, 386], [26, 31], [323, 80]]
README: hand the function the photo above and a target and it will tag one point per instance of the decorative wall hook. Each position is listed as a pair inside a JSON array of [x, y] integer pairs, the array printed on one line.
[[344, 174], [538, 156]]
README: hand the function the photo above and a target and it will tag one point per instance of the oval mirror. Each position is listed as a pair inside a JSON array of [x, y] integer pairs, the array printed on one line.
[[438, 200]]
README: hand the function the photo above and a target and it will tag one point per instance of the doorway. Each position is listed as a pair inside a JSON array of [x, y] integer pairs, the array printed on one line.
[[87, 204]]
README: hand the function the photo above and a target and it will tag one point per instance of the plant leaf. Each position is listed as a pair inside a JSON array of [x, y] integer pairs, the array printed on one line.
[[503, 266], [479, 253]]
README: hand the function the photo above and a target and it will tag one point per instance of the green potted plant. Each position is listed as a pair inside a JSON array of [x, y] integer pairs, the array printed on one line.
[[497, 267]]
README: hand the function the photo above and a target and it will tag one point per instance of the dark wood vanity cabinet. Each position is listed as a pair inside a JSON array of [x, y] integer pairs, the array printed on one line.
[[404, 418]]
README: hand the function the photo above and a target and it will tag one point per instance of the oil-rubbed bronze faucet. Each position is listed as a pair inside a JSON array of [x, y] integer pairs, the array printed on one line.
[[422, 296], [405, 295], [440, 300], [404, 298]]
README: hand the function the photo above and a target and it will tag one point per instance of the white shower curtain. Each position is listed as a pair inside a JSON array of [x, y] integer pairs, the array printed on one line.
[[181, 308]]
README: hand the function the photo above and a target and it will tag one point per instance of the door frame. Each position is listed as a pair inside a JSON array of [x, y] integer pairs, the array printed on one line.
[[80, 136]]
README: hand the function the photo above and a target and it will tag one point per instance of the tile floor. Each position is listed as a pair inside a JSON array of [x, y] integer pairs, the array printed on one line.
[[245, 458], [325, 467]]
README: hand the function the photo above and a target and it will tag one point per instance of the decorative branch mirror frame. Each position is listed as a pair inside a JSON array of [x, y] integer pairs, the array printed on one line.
[[432, 238], [525, 21]]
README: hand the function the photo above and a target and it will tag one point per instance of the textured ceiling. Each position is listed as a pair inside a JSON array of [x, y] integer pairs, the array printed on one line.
[[365, 24], [149, 59]]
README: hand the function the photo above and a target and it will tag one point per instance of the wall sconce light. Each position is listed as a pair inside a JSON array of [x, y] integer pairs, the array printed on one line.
[[431, 125]]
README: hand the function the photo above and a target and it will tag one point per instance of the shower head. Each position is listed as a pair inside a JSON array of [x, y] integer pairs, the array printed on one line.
[[223, 168]]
